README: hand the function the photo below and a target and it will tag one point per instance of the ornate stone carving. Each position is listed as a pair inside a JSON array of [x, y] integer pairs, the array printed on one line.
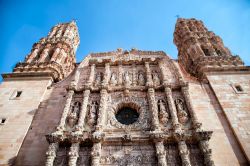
[[153, 109], [141, 79], [92, 115], [136, 103], [51, 154], [183, 150], [83, 111], [66, 110], [162, 112], [156, 78], [102, 109], [73, 154], [74, 114], [181, 111], [161, 153], [96, 154], [113, 79], [127, 78], [98, 78]]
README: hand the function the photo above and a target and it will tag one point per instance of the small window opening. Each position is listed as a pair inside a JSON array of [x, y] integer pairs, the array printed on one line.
[[238, 88], [206, 51], [18, 93], [3, 120]]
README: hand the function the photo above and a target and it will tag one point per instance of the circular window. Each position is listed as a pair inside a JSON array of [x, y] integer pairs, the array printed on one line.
[[127, 115]]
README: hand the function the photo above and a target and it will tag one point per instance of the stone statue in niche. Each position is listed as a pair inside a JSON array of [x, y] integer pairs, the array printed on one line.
[[141, 79], [113, 79], [98, 79], [156, 78], [74, 114], [92, 116], [127, 78], [163, 114], [181, 111]]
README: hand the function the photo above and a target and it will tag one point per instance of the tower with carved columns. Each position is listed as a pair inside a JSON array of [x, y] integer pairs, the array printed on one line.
[[54, 54], [200, 50]]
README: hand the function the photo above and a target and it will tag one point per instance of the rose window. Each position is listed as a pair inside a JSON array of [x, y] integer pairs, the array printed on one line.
[[127, 115]]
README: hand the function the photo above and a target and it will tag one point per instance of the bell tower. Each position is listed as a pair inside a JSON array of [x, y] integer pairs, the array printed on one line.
[[53, 54], [27, 88], [200, 50]]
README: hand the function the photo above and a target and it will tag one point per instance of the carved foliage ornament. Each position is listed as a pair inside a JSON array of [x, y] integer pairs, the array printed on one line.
[[138, 104]]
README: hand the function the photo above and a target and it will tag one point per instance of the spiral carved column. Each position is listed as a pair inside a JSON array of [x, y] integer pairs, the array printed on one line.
[[184, 153], [65, 110], [161, 153], [96, 154], [73, 154], [51, 154], [196, 123]]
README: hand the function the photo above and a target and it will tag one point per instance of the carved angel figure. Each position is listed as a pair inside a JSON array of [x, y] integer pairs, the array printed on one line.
[[92, 113], [163, 114], [98, 79], [113, 80], [181, 111], [126, 78], [74, 114], [156, 78], [141, 79]]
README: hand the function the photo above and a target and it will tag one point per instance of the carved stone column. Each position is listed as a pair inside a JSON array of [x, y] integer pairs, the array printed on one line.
[[196, 124], [172, 108], [161, 153], [102, 109], [96, 154], [170, 100], [184, 153], [153, 109], [151, 99], [32, 55], [73, 154], [106, 74], [91, 75], [207, 153], [134, 80], [51, 154], [43, 55], [148, 75], [120, 72], [84, 110], [55, 54], [65, 110]]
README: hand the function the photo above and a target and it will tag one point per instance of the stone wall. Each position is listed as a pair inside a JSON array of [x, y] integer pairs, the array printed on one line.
[[232, 91], [18, 112], [34, 147]]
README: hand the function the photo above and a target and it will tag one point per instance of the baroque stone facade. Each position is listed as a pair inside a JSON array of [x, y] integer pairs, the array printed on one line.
[[128, 107]]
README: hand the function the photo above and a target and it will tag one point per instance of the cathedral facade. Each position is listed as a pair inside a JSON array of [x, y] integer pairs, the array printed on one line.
[[127, 107]]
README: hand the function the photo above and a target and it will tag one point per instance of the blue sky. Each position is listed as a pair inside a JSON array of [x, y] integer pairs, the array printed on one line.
[[106, 25]]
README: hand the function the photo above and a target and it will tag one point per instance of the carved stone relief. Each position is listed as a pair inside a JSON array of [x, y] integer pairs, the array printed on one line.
[[92, 113], [73, 114], [98, 78], [181, 110], [138, 103], [163, 113], [113, 79], [136, 155], [141, 79], [156, 78], [172, 155]]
